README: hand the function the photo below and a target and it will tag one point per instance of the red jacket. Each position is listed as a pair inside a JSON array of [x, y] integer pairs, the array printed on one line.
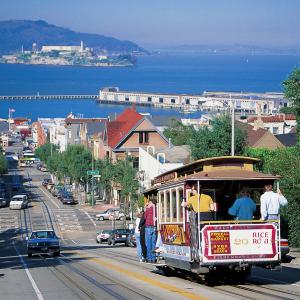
[[150, 216]]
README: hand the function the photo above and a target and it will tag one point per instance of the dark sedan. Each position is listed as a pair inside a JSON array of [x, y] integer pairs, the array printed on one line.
[[43, 242], [118, 236], [67, 198]]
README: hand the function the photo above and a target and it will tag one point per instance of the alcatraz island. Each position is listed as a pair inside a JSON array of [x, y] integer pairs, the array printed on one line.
[[62, 55]]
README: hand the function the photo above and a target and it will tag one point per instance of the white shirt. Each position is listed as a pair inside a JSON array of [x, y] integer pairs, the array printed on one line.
[[137, 223], [270, 203]]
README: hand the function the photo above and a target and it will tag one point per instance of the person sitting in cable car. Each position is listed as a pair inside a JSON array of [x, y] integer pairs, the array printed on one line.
[[244, 207]]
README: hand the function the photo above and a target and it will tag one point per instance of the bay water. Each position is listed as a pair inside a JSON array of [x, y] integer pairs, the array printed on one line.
[[190, 74]]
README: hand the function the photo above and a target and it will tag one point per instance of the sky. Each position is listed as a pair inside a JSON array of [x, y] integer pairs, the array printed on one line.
[[272, 23]]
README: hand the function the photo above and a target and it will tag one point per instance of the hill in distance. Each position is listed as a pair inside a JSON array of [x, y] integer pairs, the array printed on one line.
[[15, 33]]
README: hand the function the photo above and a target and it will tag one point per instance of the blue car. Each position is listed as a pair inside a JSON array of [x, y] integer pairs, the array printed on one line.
[[43, 242]]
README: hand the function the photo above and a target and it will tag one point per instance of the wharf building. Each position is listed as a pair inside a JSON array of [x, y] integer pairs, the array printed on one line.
[[251, 103]]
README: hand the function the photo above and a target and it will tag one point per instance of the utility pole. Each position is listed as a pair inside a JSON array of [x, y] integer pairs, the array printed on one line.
[[93, 203], [232, 126]]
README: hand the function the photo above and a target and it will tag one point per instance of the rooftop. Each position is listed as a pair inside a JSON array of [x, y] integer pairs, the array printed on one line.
[[124, 123], [274, 119]]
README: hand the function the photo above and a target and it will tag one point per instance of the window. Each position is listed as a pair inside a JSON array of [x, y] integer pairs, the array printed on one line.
[[126, 98], [173, 207], [162, 207], [275, 130], [161, 100], [187, 101], [143, 137], [173, 101], [167, 207], [135, 163], [149, 99]]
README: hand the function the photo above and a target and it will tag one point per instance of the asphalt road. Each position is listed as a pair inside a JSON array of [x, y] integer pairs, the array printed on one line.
[[86, 270]]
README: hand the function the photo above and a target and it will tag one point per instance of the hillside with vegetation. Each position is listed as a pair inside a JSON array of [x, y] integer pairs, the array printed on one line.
[[17, 33]]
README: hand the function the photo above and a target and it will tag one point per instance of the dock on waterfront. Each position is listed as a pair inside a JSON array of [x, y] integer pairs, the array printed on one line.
[[49, 97]]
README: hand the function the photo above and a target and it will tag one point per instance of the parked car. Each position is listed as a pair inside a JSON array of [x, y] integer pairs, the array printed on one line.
[[67, 198], [4, 201], [131, 241], [55, 190], [43, 169], [46, 181], [107, 213], [118, 236], [103, 236], [43, 242], [18, 202]]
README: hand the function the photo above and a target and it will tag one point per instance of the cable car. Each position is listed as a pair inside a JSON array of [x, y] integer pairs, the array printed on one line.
[[219, 244]]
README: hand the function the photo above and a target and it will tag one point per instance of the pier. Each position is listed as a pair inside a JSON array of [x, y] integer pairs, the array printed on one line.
[[49, 97]]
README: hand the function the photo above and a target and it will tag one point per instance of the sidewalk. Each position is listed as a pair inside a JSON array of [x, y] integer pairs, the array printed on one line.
[[295, 253], [97, 207]]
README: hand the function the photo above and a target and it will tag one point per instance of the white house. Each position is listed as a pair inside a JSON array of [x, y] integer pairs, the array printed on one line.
[[153, 162], [279, 124]]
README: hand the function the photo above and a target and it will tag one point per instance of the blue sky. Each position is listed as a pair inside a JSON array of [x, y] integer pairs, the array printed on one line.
[[170, 22]]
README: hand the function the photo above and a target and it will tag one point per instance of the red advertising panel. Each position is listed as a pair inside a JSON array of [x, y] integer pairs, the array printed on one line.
[[239, 242]]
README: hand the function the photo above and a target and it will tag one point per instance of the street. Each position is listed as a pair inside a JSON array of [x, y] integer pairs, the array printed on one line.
[[86, 270]]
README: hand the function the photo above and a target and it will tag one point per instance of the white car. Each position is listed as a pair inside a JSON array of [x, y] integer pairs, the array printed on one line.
[[18, 202], [103, 236], [108, 213]]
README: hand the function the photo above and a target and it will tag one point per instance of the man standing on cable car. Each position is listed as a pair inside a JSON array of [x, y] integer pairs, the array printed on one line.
[[270, 203], [244, 207], [203, 205]]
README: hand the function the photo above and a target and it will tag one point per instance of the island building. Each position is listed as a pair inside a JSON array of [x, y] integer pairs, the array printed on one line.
[[251, 103], [64, 48]]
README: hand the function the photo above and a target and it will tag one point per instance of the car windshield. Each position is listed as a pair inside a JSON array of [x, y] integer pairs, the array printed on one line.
[[18, 198], [106, 231], [123, 231], [42, 235]]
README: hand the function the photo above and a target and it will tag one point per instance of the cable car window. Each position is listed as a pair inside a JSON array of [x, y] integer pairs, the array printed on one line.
[[173, 206], [179, 208], [162, 207], [167, 207]]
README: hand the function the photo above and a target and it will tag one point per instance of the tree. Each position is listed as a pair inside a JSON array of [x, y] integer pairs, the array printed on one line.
[[125, 175], [178, 133], [106, 170], [285, 162], [216, 141], [3, 164], [45, 151], [291, 88]]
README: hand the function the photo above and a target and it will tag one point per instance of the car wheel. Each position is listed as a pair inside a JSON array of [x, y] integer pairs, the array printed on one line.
[[121, 218], [101, 219], [29, 254], [109, 243], [97, 241]]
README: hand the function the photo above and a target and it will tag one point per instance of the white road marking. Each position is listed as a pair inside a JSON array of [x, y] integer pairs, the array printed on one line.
[[36, 289], [74, 242], [90, 218], [50, 198], [275, 280]]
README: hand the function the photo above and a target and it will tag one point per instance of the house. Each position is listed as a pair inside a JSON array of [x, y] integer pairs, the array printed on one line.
[[153, 162], [259, 137], [278, 124], [78, 129], [288, 139], [129, 132]]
